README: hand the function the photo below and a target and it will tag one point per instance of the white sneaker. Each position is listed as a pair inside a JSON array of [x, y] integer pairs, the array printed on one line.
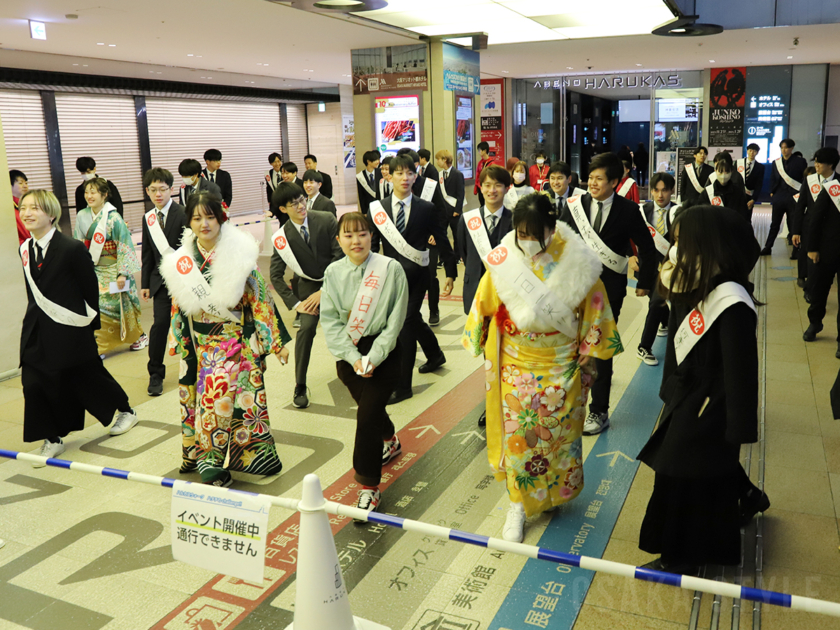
[[125, 422], [514, 529], [49, 449], [368, 500], [647, 356], [142, 342], [390, 449], [2, 543], [595, 423], [662, 332]]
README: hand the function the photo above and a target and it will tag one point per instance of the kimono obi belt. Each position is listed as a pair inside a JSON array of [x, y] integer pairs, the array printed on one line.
[[109, 249]]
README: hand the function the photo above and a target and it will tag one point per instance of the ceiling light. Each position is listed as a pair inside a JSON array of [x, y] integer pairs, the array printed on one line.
[[100, 43], [37, 30], [112, 45], [639, 65], [84, 65], [190, 55], [711, 60], [505, 72], [265, 64], [569, 68], [259, 64], [75, 64], [790, 56]]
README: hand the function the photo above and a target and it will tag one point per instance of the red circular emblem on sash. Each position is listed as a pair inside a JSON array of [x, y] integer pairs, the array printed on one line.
[[474, 223], [740, 169], [99, 237], [185, 265], [834, 190], [696, 322], [380, 217], [716, 201], [280, 242], [25, 257], [498, 255], [815, 189], [652, 230], [151, 220]]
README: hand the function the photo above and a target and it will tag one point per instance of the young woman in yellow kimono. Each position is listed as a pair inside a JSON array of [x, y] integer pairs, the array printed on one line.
[[538, 378]]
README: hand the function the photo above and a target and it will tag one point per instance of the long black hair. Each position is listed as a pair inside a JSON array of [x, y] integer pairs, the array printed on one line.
[[714, 242], [533, 214]]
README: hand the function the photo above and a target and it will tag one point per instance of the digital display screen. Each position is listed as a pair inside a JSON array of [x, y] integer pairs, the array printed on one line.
[[464, 135], [397, 123], [676, 110]]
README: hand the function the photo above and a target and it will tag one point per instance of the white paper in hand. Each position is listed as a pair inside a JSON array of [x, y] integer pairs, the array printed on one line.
[[113, 287]]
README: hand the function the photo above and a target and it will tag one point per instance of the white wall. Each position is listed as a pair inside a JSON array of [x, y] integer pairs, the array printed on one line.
[[326, 142], [832, 111]]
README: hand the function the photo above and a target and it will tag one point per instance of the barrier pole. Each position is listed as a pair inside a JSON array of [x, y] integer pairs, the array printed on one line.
[[794, 602]]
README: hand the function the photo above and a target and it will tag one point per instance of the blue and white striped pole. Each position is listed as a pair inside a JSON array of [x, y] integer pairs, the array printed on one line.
[[794, 602]]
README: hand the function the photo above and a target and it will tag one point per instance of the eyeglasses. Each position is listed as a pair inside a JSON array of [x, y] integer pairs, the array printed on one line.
[[300, 201], [158, 190]]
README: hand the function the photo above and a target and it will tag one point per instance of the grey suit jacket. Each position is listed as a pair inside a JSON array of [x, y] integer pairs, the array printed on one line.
[[324, 204], [323, 249]]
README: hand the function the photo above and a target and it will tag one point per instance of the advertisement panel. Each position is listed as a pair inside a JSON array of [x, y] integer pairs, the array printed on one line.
[[727, 90], [389, 68], [492, 118], [397, 123], [461, 69], [464, 135]]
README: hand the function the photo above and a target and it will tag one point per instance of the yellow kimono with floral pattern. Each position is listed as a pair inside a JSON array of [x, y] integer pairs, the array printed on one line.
[[536, 390]]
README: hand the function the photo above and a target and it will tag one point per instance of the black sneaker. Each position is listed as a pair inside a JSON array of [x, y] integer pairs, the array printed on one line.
[[811, 333], [647, 356], [155, 386], [434, 318], [301, 401], [482, 419], [756, 501], [399, 395]]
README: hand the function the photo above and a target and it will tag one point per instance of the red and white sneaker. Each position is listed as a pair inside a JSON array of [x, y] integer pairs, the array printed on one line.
[[141, 343], [368, 500], [390, 449]]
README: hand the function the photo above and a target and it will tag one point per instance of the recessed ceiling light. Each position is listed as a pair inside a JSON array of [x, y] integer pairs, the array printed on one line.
[[190, 55], [569, 68], [265, 64], [112, 45], [711, 60], [259, 64], [84, 65], [100, 43], [790, 56], [75, 64], [639, 65], [505, 72], [159, 73]]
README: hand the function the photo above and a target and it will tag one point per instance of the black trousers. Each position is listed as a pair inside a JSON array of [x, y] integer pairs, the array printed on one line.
[[373, 425], [162, 313], [55, 401], [819, 285], [599, 395], [302, 289], [434, 284], [453, 225], [415, 331], [784, 207], [657, 315], [803, 263]]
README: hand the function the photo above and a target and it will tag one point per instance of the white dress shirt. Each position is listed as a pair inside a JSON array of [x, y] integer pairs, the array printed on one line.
[[605, 212], [497, 214], [304, 224], [395, 207], [44, 242], [311, 202]]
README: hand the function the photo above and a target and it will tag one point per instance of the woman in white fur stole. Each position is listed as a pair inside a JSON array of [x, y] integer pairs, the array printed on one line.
[[539, 316], [222, 302]]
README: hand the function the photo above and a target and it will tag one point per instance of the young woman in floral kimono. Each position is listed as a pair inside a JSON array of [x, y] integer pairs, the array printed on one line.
[[538, 378], [224, 413], [117, 263]]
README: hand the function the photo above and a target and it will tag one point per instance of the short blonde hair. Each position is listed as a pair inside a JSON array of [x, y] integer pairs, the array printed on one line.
[[47, 202], [445, 155]]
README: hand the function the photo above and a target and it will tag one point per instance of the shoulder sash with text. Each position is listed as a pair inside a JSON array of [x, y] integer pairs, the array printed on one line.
[[156, 232], [392, 234], [478, 233], [367, 297], [97, 241], [692, 175], [780, 166], [284, 250], [197, 283], [608, 257], [626, 186], [661, 243]]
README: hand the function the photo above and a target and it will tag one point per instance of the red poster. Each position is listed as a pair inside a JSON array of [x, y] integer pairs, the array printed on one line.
[[492, 118], [728, 87]]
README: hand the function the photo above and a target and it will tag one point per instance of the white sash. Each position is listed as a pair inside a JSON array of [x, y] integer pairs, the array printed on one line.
[[282, 247], [367, 297], [608, 257], [833, 188], [360, 177], [269, 177], [450, 200], [428, 193], [710, 190], [814, 185], [392, 234], [382, 183], [156, 232], [97, 241], [780, 166], [532, 290], [197, 283], [626, 186], [661, 243], [742, 169], [55, 312], [692, 175], [673, 213], [698, 321], [475, 228]]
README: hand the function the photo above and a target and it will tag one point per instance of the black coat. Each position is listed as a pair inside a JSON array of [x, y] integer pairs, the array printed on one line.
[[269, 189], [624, 224], [365, 198], [795, 168], [173, 228], [431, 172], [114, 197], [732, 194], [805, 203], [454, 185], [423, 222], [711, 399], [68, 279], [202, 185], [473, 264], [823, 233], [326, 187], [225, 184], [687, 189], [755, 181], [324, 204]]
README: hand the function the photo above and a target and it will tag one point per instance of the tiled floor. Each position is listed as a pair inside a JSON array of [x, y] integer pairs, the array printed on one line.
[[86, 552]]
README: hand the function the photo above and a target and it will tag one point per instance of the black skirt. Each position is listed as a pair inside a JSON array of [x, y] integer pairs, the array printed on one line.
[[693, 521]]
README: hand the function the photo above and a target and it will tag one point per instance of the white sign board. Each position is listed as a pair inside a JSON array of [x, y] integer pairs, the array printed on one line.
[[219, 529]]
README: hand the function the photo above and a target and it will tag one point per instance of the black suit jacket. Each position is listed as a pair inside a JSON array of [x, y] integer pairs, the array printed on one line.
[[466, 251], [314, 258], [66, 278], [326, 187], [324, 204], [364, 196], [755, 181], [422, 223], [624, 224], [650, 217], [454, 184], [823, 231], [269, 189], [225, 184], [687, 190], [173, 228], [114, 197], [733, 196], [803, 207], [431, 172], [795, 168], [203, 184]]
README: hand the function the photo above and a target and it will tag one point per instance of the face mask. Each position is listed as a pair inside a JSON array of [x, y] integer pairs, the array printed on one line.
[[519, 177], [531, 248], [540, 161], [90, 176], [672, 254], [189, 181], [724, 178]]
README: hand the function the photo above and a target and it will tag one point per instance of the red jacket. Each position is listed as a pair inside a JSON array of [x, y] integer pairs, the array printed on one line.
[[538, 176], [484, 162], [23, 233], [632, 194]]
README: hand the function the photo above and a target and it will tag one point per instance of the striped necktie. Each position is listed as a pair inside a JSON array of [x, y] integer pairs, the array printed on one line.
[[304, 233], [660, 220], [401, 217]]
